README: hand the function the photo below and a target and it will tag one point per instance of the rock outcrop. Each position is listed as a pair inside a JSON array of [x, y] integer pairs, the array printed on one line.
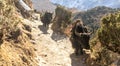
[[24, 7]]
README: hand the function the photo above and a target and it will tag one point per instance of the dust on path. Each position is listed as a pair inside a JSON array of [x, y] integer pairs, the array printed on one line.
[[53, 53]]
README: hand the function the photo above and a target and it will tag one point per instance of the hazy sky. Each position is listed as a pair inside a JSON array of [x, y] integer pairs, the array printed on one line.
[[87, 4]]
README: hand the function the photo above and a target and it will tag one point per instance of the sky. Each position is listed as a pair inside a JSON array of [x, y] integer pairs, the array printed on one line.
[[87, 4]]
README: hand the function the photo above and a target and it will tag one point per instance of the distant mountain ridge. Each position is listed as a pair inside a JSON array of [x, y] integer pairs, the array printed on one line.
[[92, 17], [43, 5], [87, 4]]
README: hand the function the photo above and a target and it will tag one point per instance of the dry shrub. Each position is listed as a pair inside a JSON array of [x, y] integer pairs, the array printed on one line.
[[15, 47], [61, 20]]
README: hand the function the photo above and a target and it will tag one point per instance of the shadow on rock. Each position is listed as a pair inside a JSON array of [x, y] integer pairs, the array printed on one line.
[[78, 60], [57, 36], [43, 29]]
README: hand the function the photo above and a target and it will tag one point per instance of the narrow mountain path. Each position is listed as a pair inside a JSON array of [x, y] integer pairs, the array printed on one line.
[[51, 52]]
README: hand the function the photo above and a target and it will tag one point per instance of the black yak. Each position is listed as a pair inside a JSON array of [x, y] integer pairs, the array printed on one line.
[[80, 37]]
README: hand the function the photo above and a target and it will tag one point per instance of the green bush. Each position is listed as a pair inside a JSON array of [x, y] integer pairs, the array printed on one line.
[[106, 44], [109, 33]]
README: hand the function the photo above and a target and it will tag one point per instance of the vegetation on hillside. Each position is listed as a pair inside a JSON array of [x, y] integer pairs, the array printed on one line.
[[92, 17], [106, 44], [15, 48], [109, 33]]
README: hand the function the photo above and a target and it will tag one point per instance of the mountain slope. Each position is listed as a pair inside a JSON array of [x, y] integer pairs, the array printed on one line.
[[92, 17], [15, 46], [43, 5]]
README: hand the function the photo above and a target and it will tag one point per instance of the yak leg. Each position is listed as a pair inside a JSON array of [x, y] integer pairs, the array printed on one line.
[[78, 49], [44, 24]]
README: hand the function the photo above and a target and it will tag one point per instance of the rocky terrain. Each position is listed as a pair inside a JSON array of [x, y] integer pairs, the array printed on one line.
[[54, 52], [24, 41]]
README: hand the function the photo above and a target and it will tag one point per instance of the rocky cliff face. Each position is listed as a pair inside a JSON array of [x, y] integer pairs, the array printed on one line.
[[29, 3]]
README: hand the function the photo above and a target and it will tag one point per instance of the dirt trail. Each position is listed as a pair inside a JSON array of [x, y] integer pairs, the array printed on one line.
[[51, 52]]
